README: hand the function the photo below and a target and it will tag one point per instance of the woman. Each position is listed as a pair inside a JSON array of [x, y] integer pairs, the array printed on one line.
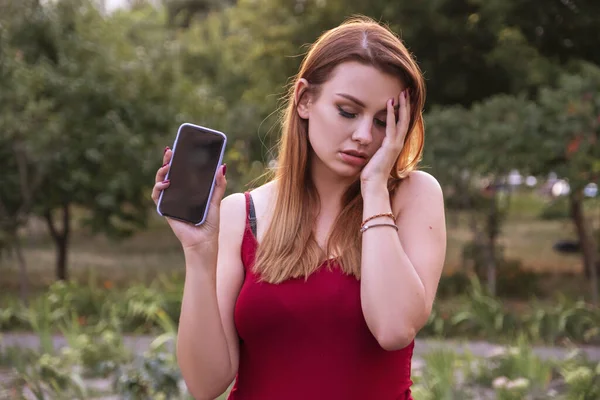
[[314, 285]]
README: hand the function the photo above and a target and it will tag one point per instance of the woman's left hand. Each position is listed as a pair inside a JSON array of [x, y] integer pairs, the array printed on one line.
[[378, 168]]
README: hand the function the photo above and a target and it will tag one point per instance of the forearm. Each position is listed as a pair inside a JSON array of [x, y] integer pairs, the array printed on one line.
[[392, 294], [202, 350]]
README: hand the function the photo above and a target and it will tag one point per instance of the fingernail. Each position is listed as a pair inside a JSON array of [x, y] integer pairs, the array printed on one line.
[[224, 169], [166, 181], [166, 148]]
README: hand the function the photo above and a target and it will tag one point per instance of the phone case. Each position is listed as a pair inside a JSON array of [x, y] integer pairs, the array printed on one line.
[[212, 187]]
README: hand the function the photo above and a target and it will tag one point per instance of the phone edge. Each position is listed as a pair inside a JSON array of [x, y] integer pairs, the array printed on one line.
[[212, 187]]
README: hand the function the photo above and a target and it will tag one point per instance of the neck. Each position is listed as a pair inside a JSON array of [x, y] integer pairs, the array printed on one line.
[[330, 188]]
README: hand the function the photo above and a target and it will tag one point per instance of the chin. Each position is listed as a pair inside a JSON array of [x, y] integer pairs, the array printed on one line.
[[346, 171]]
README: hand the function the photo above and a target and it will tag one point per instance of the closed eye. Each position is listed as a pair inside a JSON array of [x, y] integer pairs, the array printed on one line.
[[346, 114], [380, 123]]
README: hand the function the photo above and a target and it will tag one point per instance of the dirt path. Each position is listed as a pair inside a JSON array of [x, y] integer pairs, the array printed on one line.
[[478, 348]]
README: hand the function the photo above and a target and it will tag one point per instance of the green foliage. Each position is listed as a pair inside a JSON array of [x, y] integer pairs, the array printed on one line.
[[566, 320], [516, 362], [485, 315], [571, 129], [581, 377], [438, 380], [67, 304], [50, 378], [99, 350], [557, 209], [513, 281], [479, 315], [508, 373], [148, 309], [154, 376]]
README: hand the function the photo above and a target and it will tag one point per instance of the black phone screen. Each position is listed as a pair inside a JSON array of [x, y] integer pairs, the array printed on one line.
[[197, 154]]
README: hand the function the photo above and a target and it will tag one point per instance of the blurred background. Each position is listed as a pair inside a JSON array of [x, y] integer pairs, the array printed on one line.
[[92, 91]]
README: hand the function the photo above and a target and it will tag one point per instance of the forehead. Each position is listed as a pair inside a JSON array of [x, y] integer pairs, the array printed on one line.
[[365, 82]]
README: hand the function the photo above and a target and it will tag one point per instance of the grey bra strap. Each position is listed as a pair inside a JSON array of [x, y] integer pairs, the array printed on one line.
[[252, 216]]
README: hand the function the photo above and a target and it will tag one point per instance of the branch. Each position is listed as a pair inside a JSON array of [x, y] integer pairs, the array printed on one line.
[[51, 226]]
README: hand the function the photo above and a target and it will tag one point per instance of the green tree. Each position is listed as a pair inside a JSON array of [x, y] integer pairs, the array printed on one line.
[[112, 100], [471, 151], [26, 155], [571, 131]]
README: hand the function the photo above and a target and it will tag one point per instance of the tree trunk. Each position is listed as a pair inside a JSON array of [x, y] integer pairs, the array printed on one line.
[[492, 234], [23, 278], [61, 240], [587, 241]]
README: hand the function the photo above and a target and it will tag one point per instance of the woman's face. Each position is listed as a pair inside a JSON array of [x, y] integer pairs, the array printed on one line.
[[348, 115]]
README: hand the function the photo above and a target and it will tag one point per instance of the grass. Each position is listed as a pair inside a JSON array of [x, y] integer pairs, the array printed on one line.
[[528, 240], [156, 250]]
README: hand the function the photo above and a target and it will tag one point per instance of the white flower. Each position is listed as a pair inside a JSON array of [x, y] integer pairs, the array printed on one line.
[[500, 382], [497, 352], [514, 351], [519, 383]]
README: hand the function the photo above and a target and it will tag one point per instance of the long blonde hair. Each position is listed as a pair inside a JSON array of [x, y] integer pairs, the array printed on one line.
[[289, 248]]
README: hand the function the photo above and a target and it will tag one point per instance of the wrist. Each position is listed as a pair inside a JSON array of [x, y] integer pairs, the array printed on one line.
[[373, 188], [200, 258], [205, 247]]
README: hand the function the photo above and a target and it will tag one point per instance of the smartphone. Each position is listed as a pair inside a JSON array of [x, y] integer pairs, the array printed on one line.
[[197, 155]]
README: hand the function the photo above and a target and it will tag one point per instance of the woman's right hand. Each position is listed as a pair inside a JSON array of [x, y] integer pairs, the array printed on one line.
[[206, 235]]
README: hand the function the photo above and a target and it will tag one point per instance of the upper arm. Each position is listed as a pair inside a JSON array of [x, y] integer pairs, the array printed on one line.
[[230, 270], [419, 205]]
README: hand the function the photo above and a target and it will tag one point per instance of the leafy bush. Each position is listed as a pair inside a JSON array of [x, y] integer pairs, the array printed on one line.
[[484, 316], [516, 362], [513, 281], [479, 315], [582, 378], [438, 380]]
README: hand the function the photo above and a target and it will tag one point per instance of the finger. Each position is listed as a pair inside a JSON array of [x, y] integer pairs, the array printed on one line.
[[390, 122], [403, 115], [161, 173], [168, 153], [159, 187], [220, 186]]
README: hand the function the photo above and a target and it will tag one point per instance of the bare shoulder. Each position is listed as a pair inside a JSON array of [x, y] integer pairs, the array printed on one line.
[[416, 187], [232, 206], [264, 198], [233, 218], [265, 191]]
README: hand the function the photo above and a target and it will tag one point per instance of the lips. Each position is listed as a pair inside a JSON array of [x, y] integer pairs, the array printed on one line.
[[353, 158], [355, 153]]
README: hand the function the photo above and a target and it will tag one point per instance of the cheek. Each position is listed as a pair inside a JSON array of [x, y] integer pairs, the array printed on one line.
[[325, 128], [378, 136]]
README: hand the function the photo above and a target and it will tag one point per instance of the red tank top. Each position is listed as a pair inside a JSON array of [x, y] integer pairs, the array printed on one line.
[[308, 340]]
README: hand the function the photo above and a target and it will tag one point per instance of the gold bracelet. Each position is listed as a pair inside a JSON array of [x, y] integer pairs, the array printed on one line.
[[392, 216], [364, 228]]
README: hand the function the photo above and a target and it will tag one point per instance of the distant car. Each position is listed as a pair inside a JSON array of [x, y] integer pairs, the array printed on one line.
[[567, 246]]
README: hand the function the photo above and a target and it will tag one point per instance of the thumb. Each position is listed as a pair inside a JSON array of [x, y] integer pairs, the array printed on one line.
[[220, 186]]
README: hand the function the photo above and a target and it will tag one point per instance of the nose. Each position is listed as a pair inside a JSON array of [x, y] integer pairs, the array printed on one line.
[[362, 134]]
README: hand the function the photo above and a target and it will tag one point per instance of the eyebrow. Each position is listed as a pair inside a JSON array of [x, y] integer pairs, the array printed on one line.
[[352, 98], [360, 103]]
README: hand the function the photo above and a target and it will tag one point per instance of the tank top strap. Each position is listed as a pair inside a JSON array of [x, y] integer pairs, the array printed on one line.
[[250, 213], [249, 241]]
